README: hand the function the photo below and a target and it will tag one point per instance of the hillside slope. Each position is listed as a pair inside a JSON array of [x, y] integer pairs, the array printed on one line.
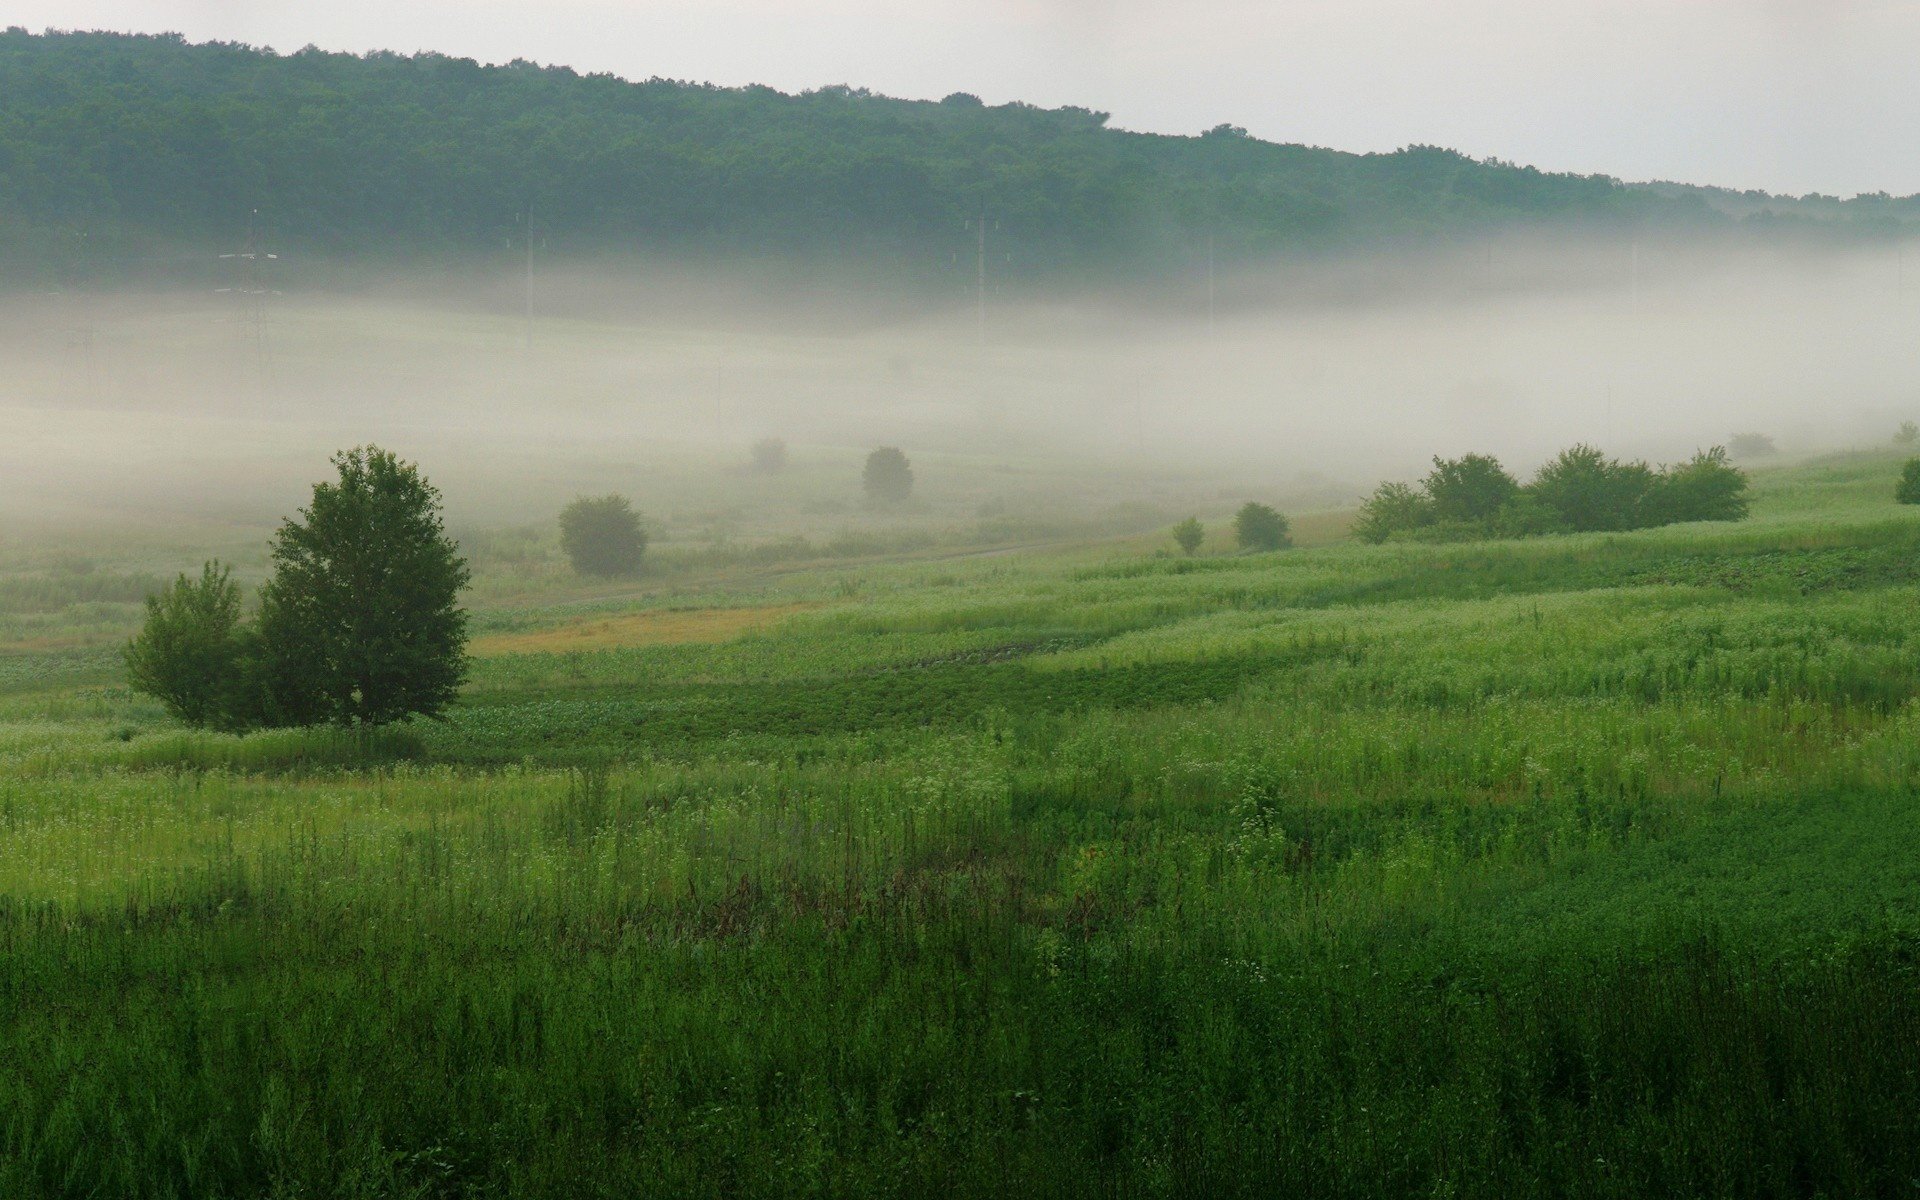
[[122, 155]]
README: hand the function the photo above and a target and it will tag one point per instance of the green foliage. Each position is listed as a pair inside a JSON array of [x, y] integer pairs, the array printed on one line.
[[1907, 434], [1471, 489], [1580, 490], [188, 655], [1706, 487], [887, 477], [1260, 527], [147, 141], [1544, 868], [361, 623], [1394, 508], [1526, 515], [1907, 491], [1188, 535], [602, 535], [1752, 445], [1586, 490]]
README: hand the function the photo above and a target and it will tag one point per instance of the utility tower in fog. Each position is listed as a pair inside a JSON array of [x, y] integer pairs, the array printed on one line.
[[980, 276], [526, 297], [250, 285], [1210, 282]]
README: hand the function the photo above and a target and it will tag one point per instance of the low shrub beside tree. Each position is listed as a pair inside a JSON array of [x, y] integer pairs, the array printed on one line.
[[188, 654]]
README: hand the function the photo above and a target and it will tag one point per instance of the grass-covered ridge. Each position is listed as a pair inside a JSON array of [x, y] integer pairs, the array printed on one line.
[[1572, 866]]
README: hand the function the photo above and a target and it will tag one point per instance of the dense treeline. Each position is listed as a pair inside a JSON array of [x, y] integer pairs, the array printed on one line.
[[118, 151], [1580, 491]]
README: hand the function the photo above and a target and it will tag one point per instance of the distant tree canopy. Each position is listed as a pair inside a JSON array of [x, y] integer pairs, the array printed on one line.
[[602, 535], [117, 148], [1907, 491], [1580, 489], [1188, 535], [359, 624], [888, 477], [770, 456], [1586, 490], [1472, 488], [1260, 527]]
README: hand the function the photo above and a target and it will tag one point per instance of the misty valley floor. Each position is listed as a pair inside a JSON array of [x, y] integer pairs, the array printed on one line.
[[1578, 866]]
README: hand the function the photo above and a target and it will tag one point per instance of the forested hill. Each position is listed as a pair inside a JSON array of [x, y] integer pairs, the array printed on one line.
[[127, 153]]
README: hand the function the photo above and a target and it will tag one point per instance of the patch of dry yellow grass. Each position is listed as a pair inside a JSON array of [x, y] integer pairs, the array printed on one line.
[[652, 627]]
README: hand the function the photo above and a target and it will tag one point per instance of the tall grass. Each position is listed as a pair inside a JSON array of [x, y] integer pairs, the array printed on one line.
[[1566, 868]]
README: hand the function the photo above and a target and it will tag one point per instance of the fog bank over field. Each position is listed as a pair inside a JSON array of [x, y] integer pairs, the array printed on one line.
[[1310, 383]]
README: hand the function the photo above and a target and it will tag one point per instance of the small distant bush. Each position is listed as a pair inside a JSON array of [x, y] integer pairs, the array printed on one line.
[[1907, 435], [888, 477], [1908, 489], [1585, 490], [602, 536], [1188, 535], [187, 655], [1394, 508], [1752, 445], [1260, 527], [1581, 489], [769, 456], [1707, 487], [1473, 488]]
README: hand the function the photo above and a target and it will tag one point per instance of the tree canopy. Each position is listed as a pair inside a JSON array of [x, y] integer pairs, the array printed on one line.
[[1580, 489], [602, 535], [360, 623], [121, 149], [888, 476]]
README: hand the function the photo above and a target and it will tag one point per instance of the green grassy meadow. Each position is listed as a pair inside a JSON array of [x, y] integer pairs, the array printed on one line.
[[1578, 866]]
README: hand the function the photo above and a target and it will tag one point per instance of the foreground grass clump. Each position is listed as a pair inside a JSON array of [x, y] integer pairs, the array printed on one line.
[[1545, 868]]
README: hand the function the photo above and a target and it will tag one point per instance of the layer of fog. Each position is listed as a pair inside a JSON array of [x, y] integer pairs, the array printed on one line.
[[1304, 386]]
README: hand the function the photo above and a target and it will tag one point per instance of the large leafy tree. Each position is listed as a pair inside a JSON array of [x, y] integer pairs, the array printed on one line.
[[361, 622]]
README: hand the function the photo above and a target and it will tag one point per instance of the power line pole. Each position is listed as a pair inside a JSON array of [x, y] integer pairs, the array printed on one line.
[[250, 285], [1634, 260], [527, 290], [980, 278]]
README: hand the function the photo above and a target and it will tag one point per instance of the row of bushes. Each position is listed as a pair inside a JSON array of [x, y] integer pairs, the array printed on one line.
[[1580, 490]]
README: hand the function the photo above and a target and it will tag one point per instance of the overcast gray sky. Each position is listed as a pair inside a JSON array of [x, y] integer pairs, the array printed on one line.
[[1788, 95]]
